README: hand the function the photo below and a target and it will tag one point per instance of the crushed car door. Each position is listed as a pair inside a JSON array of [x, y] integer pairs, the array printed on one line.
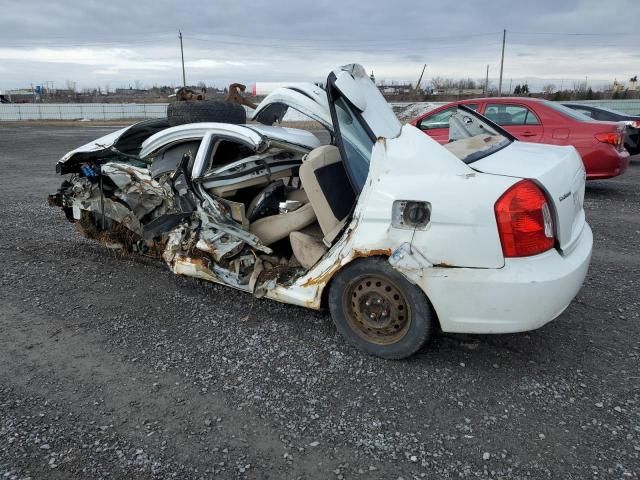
[[355, 85], [361, 116], [306, 98]]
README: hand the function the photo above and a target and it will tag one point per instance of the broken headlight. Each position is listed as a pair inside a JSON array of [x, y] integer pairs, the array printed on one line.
[[410, 214]]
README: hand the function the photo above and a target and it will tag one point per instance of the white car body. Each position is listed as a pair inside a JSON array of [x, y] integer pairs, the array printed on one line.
[[457, 259]]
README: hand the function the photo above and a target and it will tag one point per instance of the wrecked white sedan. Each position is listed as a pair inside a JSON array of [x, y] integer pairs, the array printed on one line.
[[394, 233]]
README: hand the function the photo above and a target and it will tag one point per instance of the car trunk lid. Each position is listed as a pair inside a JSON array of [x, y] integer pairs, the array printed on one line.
[[558, 171]]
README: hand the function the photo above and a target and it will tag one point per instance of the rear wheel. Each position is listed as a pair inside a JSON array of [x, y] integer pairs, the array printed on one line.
[[379, 311]]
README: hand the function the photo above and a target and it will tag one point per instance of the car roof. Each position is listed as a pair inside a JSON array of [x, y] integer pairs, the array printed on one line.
[[254, 134], [502, 100]]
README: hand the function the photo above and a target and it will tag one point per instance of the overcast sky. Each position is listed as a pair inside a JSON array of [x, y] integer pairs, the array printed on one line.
[[117, 42]]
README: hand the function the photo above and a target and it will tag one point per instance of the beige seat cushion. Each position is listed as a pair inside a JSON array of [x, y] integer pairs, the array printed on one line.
[[276, 227], [307, 247], [297, 195], [318, 158]]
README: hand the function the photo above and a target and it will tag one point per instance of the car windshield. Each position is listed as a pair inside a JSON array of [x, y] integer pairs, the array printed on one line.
[[473, 137], [568, 112]]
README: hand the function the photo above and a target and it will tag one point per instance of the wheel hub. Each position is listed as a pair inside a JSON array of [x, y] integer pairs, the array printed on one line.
[[377, 310]]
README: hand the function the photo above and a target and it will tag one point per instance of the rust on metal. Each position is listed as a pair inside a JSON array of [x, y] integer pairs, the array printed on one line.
[[325, 276], [184, 94], [376, 252], [235, 95]]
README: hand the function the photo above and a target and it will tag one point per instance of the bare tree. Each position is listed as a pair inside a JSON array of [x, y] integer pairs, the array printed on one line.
[[580, 87], [442, 83], [548, 88], [138, 85], [439, 83], [71, 85]]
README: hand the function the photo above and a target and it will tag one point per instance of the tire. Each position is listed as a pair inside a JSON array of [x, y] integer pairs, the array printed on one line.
[[180, 113], [359, 297]]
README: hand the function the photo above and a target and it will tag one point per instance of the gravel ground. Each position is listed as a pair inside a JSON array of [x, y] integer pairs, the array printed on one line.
[[112, 367]]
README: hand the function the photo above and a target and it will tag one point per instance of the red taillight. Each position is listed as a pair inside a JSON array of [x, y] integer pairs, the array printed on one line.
[[524, 221], [612, 138]]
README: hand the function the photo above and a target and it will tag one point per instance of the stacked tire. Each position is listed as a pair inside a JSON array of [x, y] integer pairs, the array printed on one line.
[[195, 111]]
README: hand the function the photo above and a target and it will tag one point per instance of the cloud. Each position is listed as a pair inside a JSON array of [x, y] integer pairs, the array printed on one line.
[[301, 40]]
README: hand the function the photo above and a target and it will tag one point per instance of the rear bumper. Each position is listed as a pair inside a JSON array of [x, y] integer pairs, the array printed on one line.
[[523, 295], [605, 162]]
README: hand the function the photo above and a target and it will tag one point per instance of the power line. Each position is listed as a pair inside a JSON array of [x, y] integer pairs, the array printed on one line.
[[578, 34]]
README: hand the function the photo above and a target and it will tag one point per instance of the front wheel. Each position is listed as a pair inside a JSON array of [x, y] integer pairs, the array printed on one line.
[[379, 311]]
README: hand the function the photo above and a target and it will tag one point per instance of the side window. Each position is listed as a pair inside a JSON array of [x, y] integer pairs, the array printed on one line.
[[167, 160], [356, 143], [505, 114], [227, 151], [437, 120]]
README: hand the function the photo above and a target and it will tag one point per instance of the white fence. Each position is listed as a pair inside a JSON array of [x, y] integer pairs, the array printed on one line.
[[12, 112], [126, 111], [79, 111]]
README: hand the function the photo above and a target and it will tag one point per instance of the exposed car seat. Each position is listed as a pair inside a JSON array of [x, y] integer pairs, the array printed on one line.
[[330, 193], [276, 227], [307, 245]]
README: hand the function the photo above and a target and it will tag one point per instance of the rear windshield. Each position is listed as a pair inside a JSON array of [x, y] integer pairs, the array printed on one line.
[[473, 137], [568, 112], [609, 110]]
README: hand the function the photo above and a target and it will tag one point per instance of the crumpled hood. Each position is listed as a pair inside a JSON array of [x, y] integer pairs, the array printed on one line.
[[127, 140]]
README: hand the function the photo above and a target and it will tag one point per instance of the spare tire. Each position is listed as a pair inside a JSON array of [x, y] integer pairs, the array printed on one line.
[[179, 113]]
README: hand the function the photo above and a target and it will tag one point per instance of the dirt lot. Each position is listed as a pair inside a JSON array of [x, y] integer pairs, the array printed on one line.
[[113, 367]]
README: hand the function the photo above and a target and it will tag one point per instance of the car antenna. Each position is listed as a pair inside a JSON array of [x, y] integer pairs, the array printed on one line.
[[411, 242]]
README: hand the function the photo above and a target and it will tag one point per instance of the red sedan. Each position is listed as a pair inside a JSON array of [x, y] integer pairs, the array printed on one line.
[[600, 144]]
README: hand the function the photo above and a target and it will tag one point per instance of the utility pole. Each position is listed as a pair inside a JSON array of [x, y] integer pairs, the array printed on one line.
[[486, 82], [420, 79], [504, 38], [184, 78]]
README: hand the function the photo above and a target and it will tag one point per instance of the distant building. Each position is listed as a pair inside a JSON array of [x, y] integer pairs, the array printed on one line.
[[396, 89], [131, 91], [20, 95], [458, 91]]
